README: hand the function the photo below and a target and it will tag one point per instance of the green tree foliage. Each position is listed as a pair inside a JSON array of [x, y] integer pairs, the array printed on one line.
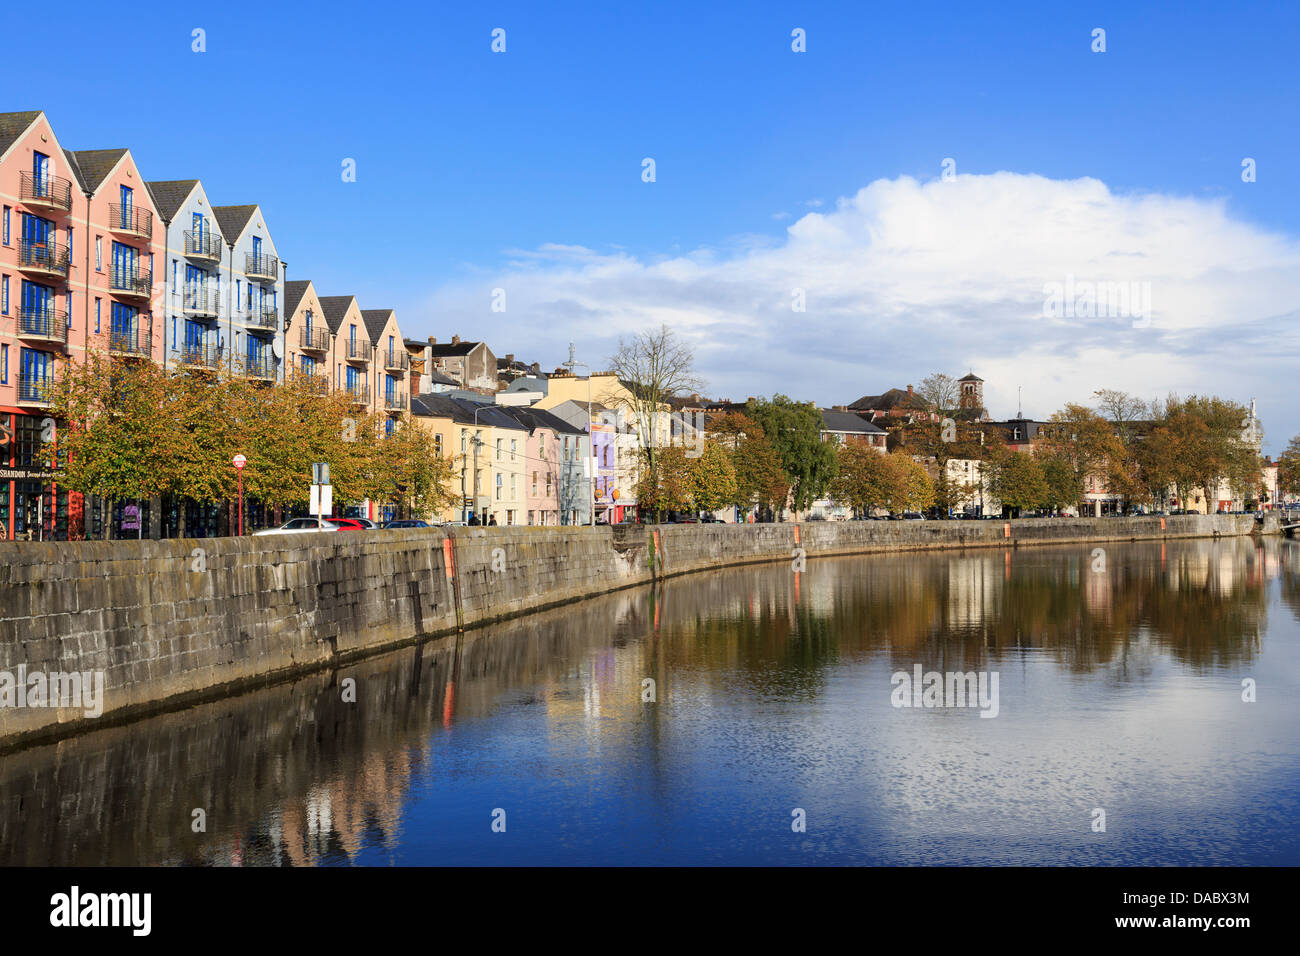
[[1017, 480], [713, 478], [794, 431]]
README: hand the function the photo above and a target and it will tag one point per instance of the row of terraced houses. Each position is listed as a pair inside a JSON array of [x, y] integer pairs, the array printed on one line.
[[95, 257]]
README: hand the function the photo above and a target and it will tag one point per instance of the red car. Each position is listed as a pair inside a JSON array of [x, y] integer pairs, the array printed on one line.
[[346, 524]]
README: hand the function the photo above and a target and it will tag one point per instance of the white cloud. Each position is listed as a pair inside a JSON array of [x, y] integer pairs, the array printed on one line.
[[906, 278]]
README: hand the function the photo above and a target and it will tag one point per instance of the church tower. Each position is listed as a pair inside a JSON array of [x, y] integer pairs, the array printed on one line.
[[971, 398]]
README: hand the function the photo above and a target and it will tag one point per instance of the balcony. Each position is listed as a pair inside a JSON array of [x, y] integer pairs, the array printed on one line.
[[44, 324], [397, 361], [134, 342], [51, 193], [34, 391], [130, 221], [311, 382], [357, 352], [130, 283], [200, 355], [358, 395], [203, 246], [199, 303], [265, 319], [259, 367], [263, 268], [43, 258], [396, 402], [314, 340]]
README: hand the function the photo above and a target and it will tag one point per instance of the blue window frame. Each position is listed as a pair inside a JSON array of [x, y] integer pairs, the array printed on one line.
[[124, 260], [6, 225], [4, 295], [308, 317], [37, 298], [353, 380], [194, 335], [128, 205], [390, 387], [196, 225], [69, 303], [97, 313], [41, 172], [37, 230], [123, 321], [4, 365], [36, 366]]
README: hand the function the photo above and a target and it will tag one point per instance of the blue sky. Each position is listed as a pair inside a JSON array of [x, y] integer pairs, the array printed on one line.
[[466, 158]]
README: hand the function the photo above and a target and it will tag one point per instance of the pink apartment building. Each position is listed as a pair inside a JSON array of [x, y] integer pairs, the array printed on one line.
[[77, 244]]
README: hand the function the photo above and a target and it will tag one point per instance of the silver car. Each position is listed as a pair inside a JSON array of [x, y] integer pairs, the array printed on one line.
[[300, 526]]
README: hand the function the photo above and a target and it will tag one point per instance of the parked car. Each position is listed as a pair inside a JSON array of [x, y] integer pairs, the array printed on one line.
[[347, 524], [913, 516], [407, 523], [300, 526]]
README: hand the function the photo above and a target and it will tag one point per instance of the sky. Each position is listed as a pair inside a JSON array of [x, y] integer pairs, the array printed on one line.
[[913, 192]]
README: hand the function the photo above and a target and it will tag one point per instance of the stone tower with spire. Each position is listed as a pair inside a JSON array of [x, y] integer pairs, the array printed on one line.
[[971, 396]]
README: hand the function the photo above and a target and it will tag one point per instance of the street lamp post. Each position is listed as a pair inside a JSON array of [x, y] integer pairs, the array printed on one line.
[[474, 485]]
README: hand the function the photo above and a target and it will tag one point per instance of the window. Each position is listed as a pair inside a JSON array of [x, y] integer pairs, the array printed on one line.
[[239, 292], [500, 485], [463, 437], [69, 301], [548, 484], [97, 315], [99, 253], [307, 365], [534, 492], [512, 449], [4, 295], [6, 226], [541, 444], [514, 488], [4, 365], [500, 442], [69, 243]]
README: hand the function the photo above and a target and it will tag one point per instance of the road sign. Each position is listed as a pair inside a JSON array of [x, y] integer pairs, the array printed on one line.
[[322, 500], [240, 461], [320, 473]]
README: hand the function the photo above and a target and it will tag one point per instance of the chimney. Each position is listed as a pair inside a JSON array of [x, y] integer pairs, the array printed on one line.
[[909, 390], [432, 340], [455, 340]]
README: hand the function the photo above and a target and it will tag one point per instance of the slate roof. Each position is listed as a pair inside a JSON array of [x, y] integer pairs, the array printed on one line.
[[335, 308], [169, 195], [294, 290], [534, 418], [13, 125], [446, 348], [92, 166], [375, 320], [891, 399], [461, 411], [233, 219], [833, 421], [442, 378], [972, 377]]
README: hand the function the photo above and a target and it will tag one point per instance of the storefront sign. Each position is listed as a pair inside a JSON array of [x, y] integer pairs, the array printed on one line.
[[25, 474]]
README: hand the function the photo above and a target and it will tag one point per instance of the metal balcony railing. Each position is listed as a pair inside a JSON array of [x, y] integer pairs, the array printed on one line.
[[399, 361], [359, 395], [136, 342], [258, 366], [266, 317], [314, 340], [357, 351], [34, 391], [199, 302], [261, 266], [131, 282], [49, 192], [396, 402], [201, 355], [50, 258], [43, 323], [131, 220], [204, 245]]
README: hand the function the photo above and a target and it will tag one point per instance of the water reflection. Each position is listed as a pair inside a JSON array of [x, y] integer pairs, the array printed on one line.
[[1120, 687]]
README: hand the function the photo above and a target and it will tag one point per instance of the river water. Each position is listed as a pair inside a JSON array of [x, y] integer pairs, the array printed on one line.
[[775, 734]]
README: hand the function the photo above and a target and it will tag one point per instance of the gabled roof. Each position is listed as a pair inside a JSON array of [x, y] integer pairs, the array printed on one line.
[[972, 377], [833, 421], [170, 195], [233, 220], [92, 166], [294, 290], [335, 308], [534, 418], [375, 320], [529, 383], [442, 378], [13, 125]]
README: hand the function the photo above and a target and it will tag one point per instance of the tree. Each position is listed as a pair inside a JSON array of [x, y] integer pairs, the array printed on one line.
[[1122, 409], [666, 485], [864, 479], [1288, 468], [939, 392], [654, 366], [419, 478], [1017, 481], [1083, 441], [713, 478], [1059, 482], [794, 430], [913, 487]]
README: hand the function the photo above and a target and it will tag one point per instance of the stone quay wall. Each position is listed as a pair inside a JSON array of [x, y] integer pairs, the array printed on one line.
[[167, 623]]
